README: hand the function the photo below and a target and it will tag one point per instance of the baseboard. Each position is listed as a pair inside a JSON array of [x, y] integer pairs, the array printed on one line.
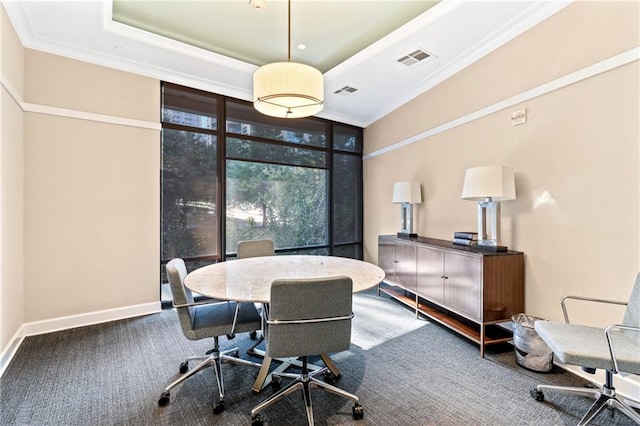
[[10, 350], [71, 321]]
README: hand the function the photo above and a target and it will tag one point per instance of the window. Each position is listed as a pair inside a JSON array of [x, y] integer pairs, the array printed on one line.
[[347, 191], [230, 173], [277, 184], [189, 175], [286, 204]]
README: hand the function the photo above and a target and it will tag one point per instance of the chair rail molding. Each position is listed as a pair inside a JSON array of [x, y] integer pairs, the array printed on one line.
[[70, 113], [603, 66]]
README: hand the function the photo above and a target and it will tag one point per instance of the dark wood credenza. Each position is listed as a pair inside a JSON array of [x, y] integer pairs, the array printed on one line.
[[466, 289]]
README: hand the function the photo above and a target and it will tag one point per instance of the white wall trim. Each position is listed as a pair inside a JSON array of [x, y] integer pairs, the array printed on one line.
[[11, 89], [574, 77], [89, 318], [70, 113], [10, 350], [90, 116], [72, 321]]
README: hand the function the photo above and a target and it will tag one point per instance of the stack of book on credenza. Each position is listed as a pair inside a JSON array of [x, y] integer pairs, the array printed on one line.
[[465, 238]]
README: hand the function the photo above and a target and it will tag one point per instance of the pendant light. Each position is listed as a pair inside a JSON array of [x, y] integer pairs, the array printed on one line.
[[288, 89]]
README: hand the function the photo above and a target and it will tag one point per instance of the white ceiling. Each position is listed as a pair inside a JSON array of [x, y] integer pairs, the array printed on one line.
[[217, 45]]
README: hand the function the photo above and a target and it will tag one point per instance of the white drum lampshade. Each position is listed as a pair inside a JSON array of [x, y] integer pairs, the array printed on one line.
[[288, 90]]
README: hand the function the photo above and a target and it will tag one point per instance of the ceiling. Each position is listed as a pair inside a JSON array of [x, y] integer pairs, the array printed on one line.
[[217, 45], [259, 36]]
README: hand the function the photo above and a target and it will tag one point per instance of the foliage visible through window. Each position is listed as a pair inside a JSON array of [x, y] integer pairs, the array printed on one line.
[[190, 215], [286, 204], [297, 182]]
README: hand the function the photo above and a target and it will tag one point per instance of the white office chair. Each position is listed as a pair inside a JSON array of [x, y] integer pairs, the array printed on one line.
[[308, 317], [614, 349], [204, 320]]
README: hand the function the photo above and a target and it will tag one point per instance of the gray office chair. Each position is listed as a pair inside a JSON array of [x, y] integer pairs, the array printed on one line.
[[255, 248], [201, 320], [307, 317], [614, 349]]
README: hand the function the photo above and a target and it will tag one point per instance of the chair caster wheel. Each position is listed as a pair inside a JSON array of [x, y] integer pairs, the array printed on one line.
[[358, 412], [536, 394], [231, 336], [253, 335], [257, 421], [184, 367], [219, 407], [331, 378], [276, 383], [164, 399]]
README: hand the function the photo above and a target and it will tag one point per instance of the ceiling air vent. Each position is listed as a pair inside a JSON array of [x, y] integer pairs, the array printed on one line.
[[414, 57], [346, 90]]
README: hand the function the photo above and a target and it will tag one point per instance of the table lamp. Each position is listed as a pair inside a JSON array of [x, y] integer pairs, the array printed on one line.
[[406, 194], [489, 186]]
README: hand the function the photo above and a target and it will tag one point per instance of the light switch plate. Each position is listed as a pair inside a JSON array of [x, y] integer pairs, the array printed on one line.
[[519, 117]]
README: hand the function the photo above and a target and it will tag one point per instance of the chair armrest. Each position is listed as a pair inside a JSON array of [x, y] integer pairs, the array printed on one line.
[[213, 302], [588, 299], [203, 302], [312, 320], [607, 332]]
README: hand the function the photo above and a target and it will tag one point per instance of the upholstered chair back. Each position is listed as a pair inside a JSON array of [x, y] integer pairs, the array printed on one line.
[[176, 273], [327, 302]]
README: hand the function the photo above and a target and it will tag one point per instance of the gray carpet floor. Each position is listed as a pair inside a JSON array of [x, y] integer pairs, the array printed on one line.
[[406, 371]]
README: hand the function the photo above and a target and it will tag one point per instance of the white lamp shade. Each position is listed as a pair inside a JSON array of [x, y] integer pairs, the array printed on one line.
[[407, 192], [288, 90], [496, 182]]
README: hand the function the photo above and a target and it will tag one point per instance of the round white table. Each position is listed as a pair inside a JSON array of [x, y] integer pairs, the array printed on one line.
[[249, 280]]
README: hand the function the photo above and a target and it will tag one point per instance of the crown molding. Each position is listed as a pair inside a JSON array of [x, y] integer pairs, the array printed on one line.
[[606, 65]]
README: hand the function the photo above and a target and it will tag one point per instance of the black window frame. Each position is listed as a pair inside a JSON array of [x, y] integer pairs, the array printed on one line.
[[353, 246]]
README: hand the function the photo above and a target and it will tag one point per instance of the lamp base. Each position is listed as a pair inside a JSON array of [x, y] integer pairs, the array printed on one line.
[[407, 235]]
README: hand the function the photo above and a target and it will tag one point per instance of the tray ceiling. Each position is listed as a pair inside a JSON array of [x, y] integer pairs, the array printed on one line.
[[369, 51]]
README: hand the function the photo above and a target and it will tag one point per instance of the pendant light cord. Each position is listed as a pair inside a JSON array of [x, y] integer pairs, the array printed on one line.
[[289, 32]]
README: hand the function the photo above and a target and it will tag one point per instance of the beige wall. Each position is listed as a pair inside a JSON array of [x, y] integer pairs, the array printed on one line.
[[92, 190], [11, 184], [56, 81], [577, 214], [80, 191]]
